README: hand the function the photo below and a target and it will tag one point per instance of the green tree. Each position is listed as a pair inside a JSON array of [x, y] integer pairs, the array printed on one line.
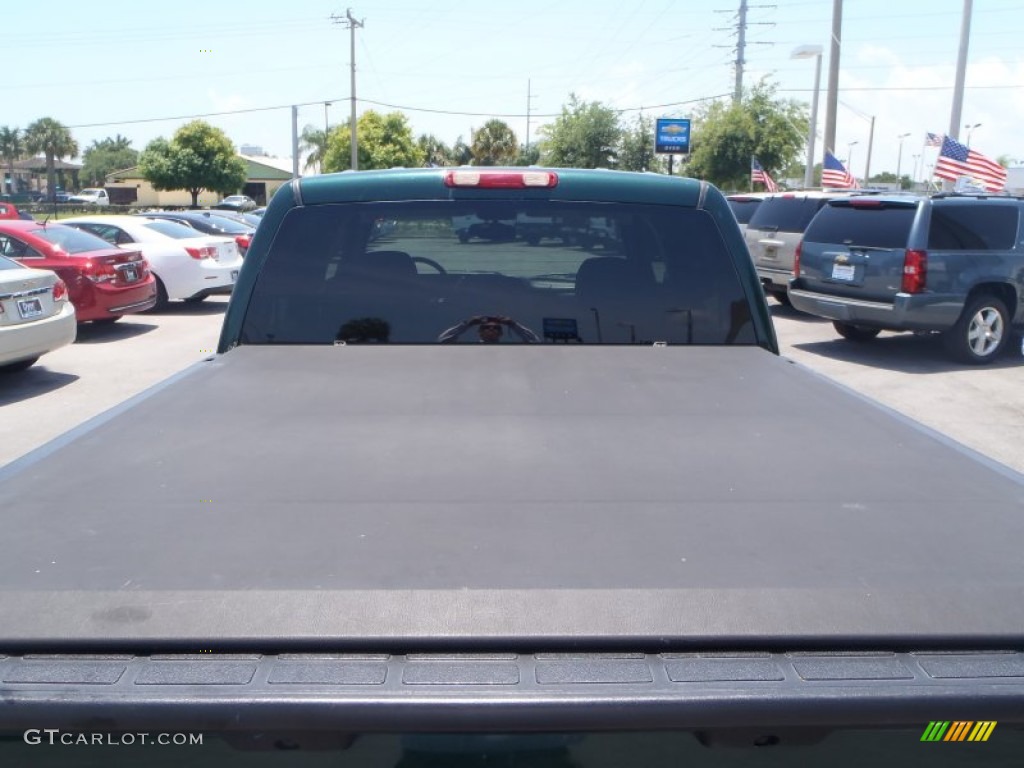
[[636, 149], [104, 157], [495, 144], [528, 155], [461, 152], [314, 141], [728, 134], [435, 151], [54, 140], [198, 157], [585, 135], [12, 147], [383, 141]]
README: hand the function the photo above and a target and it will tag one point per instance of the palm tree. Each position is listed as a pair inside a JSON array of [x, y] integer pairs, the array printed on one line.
[[54, 140], [315, 142], [12, 147], [495, 144]]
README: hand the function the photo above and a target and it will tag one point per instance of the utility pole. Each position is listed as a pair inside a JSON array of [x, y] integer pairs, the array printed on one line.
[[833, 76], [741, 44], [529, 105], [871, 141], [295, 142], [961, 73], [352, 25]]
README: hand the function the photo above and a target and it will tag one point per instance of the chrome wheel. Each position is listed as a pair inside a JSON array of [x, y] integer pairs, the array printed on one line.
[[985, 331]]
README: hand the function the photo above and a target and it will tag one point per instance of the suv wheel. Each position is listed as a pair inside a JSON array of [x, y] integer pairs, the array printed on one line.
[[855, 332], [981, 332]]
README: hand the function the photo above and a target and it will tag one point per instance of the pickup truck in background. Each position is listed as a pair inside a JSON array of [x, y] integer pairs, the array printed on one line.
[[492, 503], [91, 196]]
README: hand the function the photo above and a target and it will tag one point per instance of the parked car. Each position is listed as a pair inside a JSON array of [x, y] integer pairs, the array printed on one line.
[[236, 203], [91, 196], [744, 205], [188, 265], [36, 316], [9, 211], [208, 222], [259, 211], [948, 264], [104, 282], [773, 231], [242, 218]]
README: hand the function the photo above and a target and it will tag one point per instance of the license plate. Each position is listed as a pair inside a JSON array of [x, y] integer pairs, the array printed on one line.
[[842, 271], [234, 275], [130, 274], [29, 308]]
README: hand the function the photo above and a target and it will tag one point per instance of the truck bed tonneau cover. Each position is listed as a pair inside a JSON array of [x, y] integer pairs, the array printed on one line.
[[355, 510]]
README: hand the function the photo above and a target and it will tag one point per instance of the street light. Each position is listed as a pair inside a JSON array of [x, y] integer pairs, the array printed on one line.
[[899, 158], [807, 52], [970, 129], [849, 156]]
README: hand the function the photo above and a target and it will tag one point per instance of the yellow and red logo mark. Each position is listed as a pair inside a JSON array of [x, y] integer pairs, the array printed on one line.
[[958, 730]]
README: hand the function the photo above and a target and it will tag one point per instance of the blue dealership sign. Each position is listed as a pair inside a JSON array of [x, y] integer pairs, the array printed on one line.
[[672, 136]]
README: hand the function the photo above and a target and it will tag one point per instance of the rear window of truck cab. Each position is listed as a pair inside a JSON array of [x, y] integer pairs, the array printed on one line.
[[499, 272]]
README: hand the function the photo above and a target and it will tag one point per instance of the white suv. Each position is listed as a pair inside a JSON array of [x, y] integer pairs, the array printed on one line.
[[775, 229]]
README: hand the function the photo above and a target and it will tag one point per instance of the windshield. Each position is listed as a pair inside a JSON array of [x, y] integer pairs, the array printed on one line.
[[71, 240], [500, 272]]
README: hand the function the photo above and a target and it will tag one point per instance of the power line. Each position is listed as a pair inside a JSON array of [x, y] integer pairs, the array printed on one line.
[[510, 115]]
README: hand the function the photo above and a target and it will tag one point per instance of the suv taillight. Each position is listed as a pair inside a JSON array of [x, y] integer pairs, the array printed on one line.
[[796, 257], [915, 271], [60, 290], [206, 252]]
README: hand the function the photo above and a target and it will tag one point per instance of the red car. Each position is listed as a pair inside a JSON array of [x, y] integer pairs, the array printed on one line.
[[103, 282], [8, 211]]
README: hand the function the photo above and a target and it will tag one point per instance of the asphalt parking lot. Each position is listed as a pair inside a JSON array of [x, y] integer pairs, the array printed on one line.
[[982, 408]]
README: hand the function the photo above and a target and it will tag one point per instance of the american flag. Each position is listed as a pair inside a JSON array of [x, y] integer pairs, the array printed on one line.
[[933, 139], [956, 160], [759, 175], [834, 174]]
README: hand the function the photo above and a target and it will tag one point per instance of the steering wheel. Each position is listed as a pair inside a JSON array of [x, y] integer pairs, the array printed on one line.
[[430, 263]]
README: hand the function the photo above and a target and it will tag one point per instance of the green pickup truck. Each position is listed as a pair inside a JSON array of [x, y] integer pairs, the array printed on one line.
[[496, 503]]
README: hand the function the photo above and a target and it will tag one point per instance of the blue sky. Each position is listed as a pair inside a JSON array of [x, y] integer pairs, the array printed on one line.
[[450, 65]]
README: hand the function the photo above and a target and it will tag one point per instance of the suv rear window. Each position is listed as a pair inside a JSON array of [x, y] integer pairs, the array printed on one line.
[[556, 273], [973, 227], [786, 214], [743, 207], [877, 226]]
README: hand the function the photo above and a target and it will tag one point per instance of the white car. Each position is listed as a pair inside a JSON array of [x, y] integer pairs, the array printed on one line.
[[91, 196], [188, 266], [36, 315]]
